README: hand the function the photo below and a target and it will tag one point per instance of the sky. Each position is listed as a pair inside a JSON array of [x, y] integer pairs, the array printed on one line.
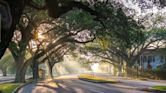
[[145, 9], [143, 6]]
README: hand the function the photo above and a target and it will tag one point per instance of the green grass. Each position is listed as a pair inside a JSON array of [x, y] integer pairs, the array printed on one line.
[[8, 87], [96, 79], [161, 88]]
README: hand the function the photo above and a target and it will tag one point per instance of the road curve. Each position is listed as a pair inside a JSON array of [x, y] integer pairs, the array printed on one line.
[[76, 86]]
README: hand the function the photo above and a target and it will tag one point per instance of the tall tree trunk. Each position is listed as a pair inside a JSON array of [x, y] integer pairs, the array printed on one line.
[[21, 69], [19, 65], [128, 68], [4, 72], [20, 74], [35, 70], [51, 72]]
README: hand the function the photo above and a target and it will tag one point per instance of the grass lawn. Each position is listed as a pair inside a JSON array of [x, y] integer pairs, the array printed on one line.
[[96, 79], [161, 88], [8, 87]]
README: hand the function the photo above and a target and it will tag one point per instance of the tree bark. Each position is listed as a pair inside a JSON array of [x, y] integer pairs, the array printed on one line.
[[20, 75], [21, 68], [20, 72], [50, 72], [50, 69], [129, 69], [4, 72], [35, 70]]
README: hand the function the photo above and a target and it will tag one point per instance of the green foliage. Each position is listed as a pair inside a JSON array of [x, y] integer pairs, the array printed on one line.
[[122, 36], [120, 30], [6, 60], [157, 33], [39, 2], [8, 87], [162, 88], [80, 19], [7, 63], [76, 21]]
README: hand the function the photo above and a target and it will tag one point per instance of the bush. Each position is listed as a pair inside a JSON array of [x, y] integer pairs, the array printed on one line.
[[160, 71], [161, 88], [160, 74], [95, 79]]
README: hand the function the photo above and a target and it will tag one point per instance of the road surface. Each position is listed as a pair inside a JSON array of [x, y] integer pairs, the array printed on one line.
[[9, 78], [6, 79], [77, 86], [135, 83]]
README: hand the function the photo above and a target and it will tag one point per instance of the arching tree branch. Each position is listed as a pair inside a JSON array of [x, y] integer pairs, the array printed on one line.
[[36, 6]]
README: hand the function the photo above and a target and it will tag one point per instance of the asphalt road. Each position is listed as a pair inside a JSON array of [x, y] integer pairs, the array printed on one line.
[[77, 86], [141, 83], [6, 79], [9, 78]]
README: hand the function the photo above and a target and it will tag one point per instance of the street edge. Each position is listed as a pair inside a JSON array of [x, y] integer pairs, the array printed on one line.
[[160, 91], [93, 81], [20, 86]]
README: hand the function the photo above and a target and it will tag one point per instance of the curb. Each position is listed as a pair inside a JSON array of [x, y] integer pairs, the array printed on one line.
[[19, 87], [149, 89], [155, 90]]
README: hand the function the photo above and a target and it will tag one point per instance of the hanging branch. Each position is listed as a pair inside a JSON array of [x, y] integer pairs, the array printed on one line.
[[36, 6]]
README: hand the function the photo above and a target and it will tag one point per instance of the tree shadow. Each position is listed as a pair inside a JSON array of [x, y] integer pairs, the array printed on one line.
[[65, 86], [45, 88]]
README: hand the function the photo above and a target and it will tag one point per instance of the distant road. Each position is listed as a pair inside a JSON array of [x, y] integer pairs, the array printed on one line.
[[135, 82], [6, 79]]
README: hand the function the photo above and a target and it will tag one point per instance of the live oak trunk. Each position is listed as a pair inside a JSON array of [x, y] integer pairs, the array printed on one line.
[[20, 75], [21, 68], [51, 72], [4, 72], [35, 70], [50, 67]]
